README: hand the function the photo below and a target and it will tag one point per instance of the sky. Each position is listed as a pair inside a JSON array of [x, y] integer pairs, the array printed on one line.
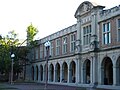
[[48, 16]]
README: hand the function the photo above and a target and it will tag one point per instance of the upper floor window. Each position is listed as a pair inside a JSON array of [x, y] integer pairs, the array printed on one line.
[[118, 26], [119, 23], [86, 34], [64, 43], [41, 51], [106, 33], [51, 49], [58, 47], [32, 54], [72, 42], [36, 53]]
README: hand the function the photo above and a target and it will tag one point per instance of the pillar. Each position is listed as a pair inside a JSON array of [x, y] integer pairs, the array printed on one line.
[[115, 81], [39, 74], [69, 75], [54, 78], [95, 70], [91, 71], [49, 74], [82, 74], [44, 74], [102, 75], [61, 74]]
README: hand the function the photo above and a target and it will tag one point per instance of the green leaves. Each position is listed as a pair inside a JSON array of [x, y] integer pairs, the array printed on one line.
[[8, 44], [31, 32]]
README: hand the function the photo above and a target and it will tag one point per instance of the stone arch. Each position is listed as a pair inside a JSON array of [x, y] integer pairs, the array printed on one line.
[[118, 71], [41, 73], [107, 71], [86, 71], [51, 74], [57, 72], [64, 72], [36, 72], [33, 73], [72, 72]]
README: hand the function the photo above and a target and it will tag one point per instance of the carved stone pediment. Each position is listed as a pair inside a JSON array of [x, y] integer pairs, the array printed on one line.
[[84, 7]]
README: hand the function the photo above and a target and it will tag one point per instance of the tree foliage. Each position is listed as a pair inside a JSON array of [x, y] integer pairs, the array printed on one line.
[[8, 45], [31, 33]]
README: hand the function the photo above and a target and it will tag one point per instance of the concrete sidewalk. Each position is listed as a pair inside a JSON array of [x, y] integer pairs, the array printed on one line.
[[35, 86], [39, 86]]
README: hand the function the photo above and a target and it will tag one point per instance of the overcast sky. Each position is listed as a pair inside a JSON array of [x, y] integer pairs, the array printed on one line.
[[48, 16]]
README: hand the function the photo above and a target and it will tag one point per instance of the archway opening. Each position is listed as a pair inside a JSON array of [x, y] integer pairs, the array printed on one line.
[[41, 73], [72, 74], [65, 72], [107, 72], [86, 72], [57, 72], [51, 73]]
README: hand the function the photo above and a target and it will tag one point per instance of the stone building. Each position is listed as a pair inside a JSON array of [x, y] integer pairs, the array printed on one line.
[[84, 54]]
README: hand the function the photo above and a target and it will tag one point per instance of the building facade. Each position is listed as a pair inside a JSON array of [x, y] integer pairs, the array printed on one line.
[[84, 54]]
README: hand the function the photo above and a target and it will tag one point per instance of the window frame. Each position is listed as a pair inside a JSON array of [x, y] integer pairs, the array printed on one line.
[[87, 32], [64, 45], [72, 42], [57, 52], [106, 33], [118, 29]]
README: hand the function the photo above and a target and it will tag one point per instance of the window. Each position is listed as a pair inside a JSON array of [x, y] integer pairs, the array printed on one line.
[[41, 51], [32, 54], [45, 52], [72, 42], [118, 29], [86, 34], [51, 49], [58, 47], [64, 49], [106, 33], [36, 53], [119, 23]]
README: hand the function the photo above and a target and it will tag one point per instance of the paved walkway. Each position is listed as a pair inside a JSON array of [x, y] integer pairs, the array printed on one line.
[[38, 86], [34, 86]]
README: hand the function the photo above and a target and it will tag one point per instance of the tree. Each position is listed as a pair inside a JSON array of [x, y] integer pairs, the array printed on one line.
[[8, 46], [31, 33], [24, 52]]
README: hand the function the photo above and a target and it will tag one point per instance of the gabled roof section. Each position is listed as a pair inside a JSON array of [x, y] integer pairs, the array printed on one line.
[[85, 7]]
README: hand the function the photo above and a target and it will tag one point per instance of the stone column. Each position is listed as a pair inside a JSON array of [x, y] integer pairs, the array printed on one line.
[[54, 79], [91, 71], [102, 75], [44, 74], [39, 77], [40, 74], [61, 74], [35, 73], [115, 75], [69, 75], [95, 70], [49, 75], [83, 75], [77, 72], [55, 76], [118, 75]]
